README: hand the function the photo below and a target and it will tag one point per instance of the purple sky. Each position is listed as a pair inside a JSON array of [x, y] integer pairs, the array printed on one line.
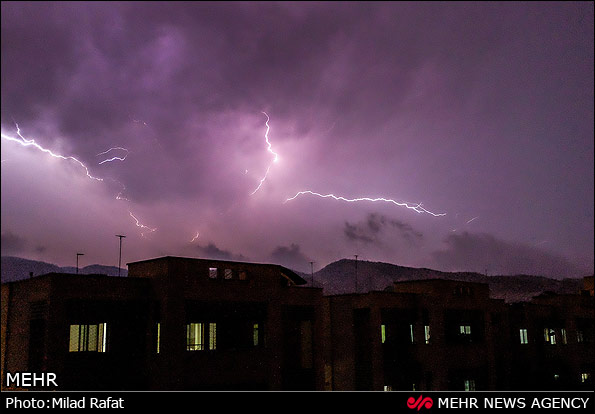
[[482, 111]]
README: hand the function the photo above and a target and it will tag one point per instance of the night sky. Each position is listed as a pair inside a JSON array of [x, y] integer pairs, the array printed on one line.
[[477, 118]]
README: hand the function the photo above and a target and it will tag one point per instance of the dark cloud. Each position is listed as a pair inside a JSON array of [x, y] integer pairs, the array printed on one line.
[[372, 229], [211, 251], [12, 243], [291, 257], [484, 252], [475, 109]]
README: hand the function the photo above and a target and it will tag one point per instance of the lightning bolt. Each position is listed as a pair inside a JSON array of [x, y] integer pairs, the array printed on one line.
[[113, 158], [142, 226], [21, 140], [269, 149], [415, 207], [31, 143], [469, 221], [195, 237]]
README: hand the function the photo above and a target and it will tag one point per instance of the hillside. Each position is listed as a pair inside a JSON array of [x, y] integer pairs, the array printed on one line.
[[340, 277], [16, 268]]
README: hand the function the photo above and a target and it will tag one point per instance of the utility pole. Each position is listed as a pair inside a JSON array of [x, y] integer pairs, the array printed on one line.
[[312, 272], [355, 273], [120, 257], [77, 261]]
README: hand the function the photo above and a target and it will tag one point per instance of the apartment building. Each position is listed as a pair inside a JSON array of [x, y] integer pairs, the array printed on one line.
[[422, 335], [172, 324], [194, 324]]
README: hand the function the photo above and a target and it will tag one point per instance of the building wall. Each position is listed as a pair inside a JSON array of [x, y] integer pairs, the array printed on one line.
[[305, 341]]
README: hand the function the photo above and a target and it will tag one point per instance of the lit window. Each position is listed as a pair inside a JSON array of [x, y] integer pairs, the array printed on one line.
[[255, 334], [383, 333], [242, 275], [585, 376], [212, 336], [524, 336], [388, 388], [158, 336], [228, 274], [469, 385], [197, 336], [549, 335], [465, 330], [427, 333], [88, 338], [563, 335], [411, 332], [213, 272]]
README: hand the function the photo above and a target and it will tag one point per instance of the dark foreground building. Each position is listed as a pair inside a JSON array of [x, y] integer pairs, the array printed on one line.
[[192, 324], [172, 324]]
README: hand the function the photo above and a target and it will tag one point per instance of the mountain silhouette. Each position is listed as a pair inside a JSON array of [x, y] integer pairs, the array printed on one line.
[[17, 268], [340, 278]]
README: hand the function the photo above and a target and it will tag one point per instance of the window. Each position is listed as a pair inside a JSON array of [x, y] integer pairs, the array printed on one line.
[[383, 333], [580, 337], [227, 274], [306, 343], [563, 335], [469, 385], [388, 388], [585, 377], [523, 336], [201, 336], [427, 333], [158, 334], [465, 330], [88, 338], [549, 335], [255, 334], [242, 275], [213, 272], [411, 333]]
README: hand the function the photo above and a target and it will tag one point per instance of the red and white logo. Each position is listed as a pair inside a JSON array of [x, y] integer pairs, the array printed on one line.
[[420, 403]]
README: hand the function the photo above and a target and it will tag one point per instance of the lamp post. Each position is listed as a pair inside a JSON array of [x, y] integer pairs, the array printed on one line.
[[120, 257], [77, 261]]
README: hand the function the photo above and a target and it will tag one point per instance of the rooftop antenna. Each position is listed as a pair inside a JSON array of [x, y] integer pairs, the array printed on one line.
[[120, 257], [77, 261]]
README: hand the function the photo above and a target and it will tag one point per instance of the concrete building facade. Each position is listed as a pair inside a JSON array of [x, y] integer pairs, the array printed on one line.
[[193, 324]]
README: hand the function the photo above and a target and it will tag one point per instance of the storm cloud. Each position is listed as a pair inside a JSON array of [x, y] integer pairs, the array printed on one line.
[[484, 253], [467, 109]]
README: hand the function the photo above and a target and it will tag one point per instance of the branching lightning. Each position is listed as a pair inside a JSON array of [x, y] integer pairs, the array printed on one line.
[[31, 143], [115, 158], [269, 149], [415, 207], [142, 226]]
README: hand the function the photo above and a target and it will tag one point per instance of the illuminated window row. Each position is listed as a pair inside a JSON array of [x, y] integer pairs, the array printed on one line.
[[227, 274], [383, 333], [203, 336], [550, 337]]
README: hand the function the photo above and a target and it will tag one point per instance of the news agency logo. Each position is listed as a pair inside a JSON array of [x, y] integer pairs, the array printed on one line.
[[420, 403]]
